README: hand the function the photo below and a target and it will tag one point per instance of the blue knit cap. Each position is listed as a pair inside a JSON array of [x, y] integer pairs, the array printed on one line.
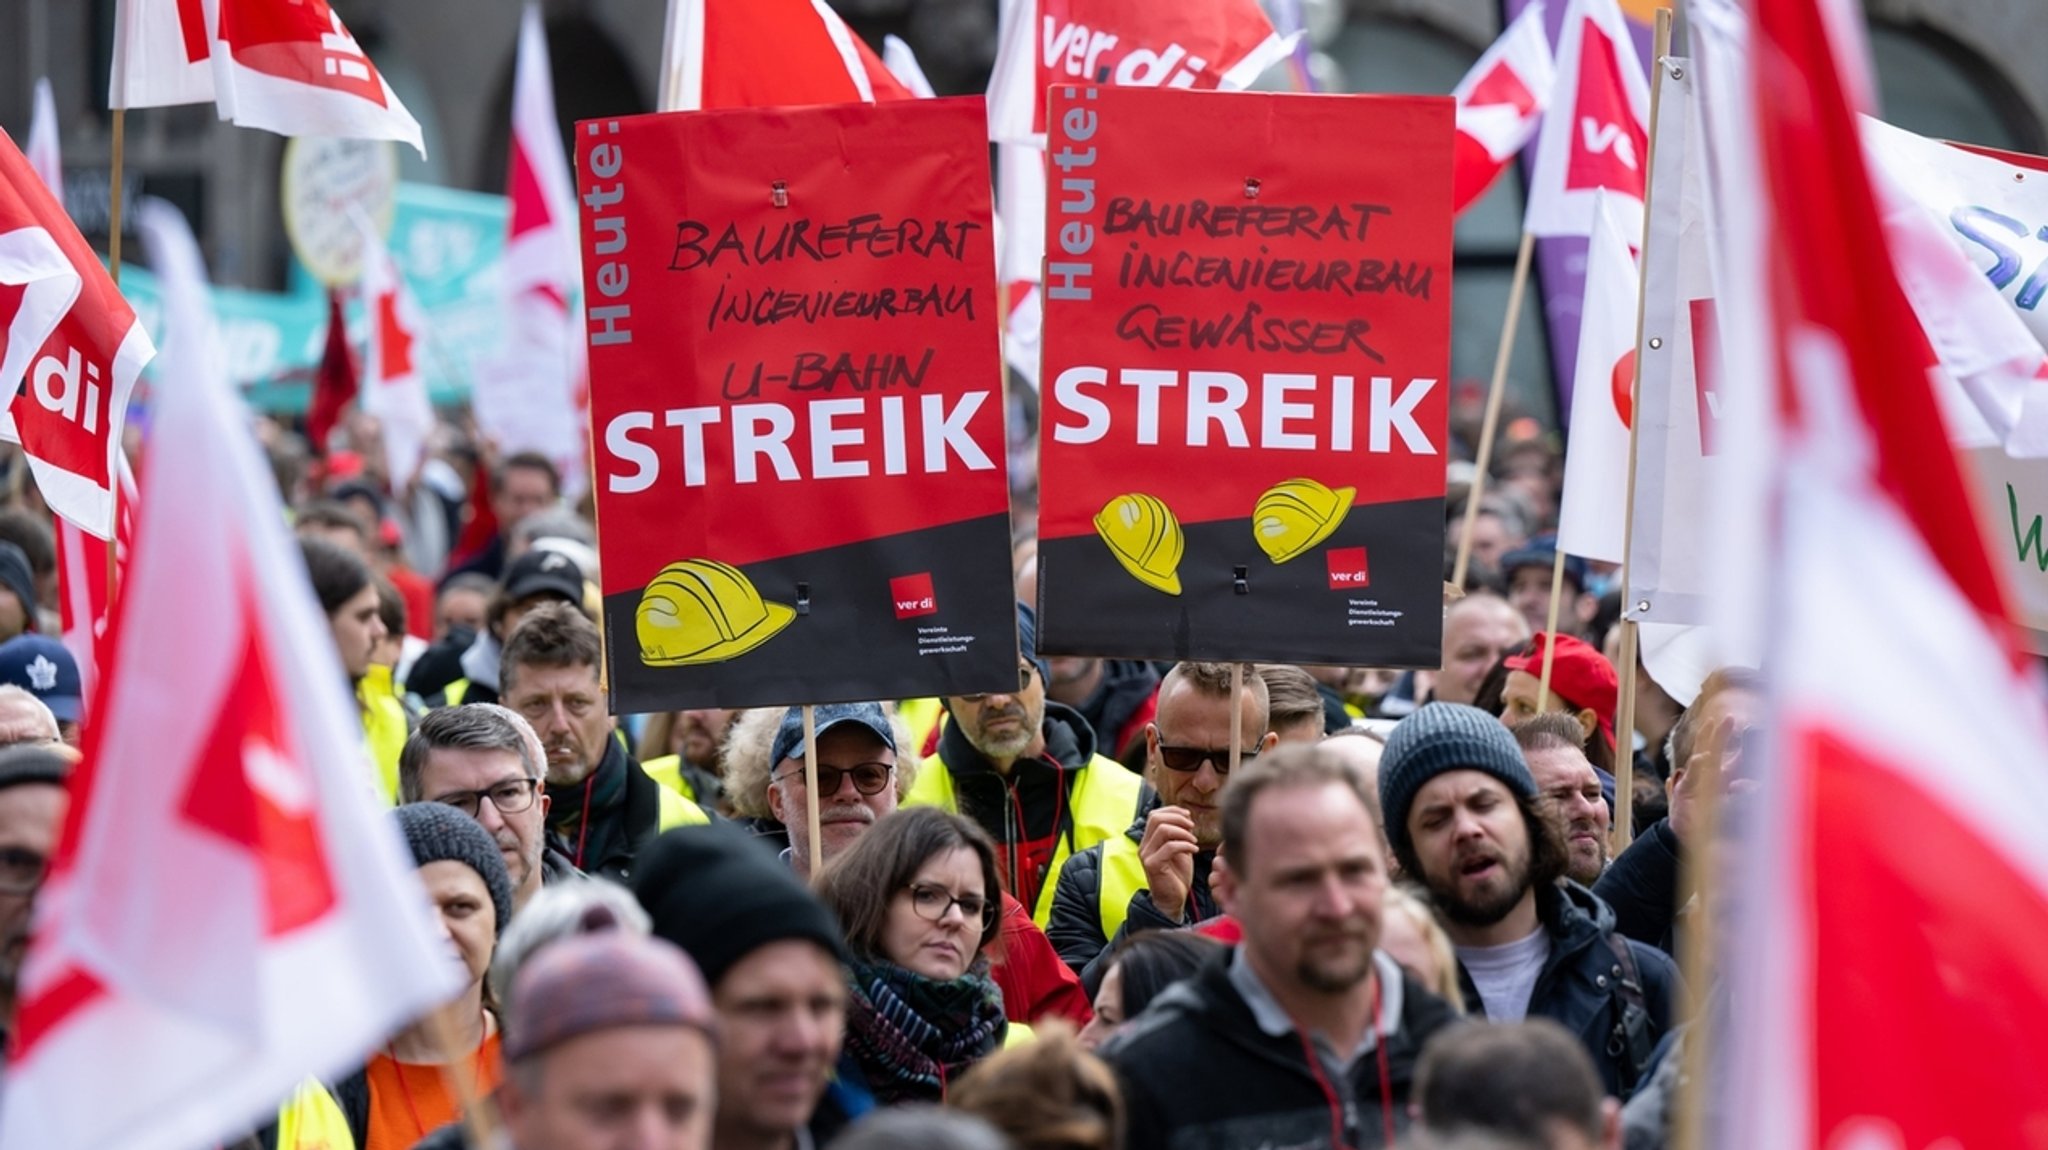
[[1443, 737], [1027, 642]]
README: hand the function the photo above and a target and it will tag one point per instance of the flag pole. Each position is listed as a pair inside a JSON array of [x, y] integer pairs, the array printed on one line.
[[114, 272], [457, 1070], [1625, 717], [1236, 716], [811, 788], [1696, 955], [1494, 391], [1550, 640]]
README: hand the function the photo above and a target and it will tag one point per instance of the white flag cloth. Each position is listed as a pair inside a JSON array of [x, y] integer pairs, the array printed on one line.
[[1591, 521], [1500, 103], [903, 65], [1596, 132], [285, 66], [228, 911], [44, 150], [394, 389], [530, 399]]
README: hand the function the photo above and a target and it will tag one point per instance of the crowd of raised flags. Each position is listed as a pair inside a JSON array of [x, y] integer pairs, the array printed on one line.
[[227, 913]]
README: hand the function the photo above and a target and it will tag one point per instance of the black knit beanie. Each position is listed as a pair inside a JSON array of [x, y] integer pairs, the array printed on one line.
[[721, 895], [1441, 737], [438, 832]]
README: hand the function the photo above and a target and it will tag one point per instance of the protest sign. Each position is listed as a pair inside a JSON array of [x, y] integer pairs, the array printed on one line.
[[1246, 343], [796, 404]]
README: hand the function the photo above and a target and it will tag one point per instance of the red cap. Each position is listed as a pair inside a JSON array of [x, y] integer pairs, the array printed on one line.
[[1579, 675]]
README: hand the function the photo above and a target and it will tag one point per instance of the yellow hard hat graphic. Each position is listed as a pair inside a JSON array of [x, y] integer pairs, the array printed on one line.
[[1145, 537], [703, 611], [1294, 515]]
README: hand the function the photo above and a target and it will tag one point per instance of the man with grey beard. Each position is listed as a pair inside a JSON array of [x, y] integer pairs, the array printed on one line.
[[1025, 768]]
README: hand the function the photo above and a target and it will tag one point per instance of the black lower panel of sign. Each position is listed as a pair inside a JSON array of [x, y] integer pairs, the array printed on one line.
[[1310, 609], [923, 613]]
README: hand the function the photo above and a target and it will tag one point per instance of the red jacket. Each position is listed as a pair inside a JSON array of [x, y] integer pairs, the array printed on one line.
[[1035, 983]]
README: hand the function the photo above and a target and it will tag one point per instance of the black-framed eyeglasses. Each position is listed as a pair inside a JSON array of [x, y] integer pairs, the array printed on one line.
[[1024, 673], [510, 797], [1188, 760], [932, 902], [22, 870], [868, 778]]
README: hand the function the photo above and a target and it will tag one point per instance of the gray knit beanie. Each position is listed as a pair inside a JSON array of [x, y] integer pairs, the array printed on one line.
[[437, 832], [1443, 737]]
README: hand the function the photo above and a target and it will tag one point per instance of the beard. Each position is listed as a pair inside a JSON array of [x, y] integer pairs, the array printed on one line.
[[1342, 962], [1006, 744], [1486, 904]]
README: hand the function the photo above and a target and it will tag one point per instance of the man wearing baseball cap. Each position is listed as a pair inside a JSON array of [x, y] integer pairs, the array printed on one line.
[[1462, 817], [612, 1041], [1526, 570], [1582, 684], [464, 666], [45, 668]]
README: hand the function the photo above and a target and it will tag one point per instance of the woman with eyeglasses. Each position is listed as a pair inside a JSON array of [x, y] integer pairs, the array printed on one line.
[[919, 900]]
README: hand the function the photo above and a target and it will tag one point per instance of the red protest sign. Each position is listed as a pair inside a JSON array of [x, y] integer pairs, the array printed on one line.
[[795, 404], [1246, 346]]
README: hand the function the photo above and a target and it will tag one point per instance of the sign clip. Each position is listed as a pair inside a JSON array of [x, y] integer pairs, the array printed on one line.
[[1251, 187], [1240, 580], [803, 598], [778, 193]]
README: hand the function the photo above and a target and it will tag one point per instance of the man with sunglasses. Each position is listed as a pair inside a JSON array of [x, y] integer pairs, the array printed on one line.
[[1155, 876], [1026, 770], [856, 778], [486, 761]]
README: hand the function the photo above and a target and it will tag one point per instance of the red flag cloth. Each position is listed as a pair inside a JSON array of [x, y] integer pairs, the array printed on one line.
[[1500, 103], [757, 53], [1889, 988], [84, 589], [70, 350], [482, 525], [334, 381], [286, 66], [227, 911], [1596, 133]]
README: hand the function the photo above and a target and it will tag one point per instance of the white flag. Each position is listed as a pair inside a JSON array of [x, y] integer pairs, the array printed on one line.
[[1500, 103], [228, 911], [1596, 132], [1591, 521], [394, 389]]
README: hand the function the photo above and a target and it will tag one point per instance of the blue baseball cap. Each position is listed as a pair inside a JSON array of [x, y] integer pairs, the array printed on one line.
[[1542, 552], [789, 737], [44, 667]]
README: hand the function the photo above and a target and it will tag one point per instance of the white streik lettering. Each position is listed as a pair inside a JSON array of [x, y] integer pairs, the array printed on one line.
[[1288, 404]]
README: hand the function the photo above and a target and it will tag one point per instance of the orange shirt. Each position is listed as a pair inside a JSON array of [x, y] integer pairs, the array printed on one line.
[[408, 1100]]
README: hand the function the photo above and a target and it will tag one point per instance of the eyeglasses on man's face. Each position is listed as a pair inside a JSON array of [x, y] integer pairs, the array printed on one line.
[[868, 778], [1024, 674], [510, 797]]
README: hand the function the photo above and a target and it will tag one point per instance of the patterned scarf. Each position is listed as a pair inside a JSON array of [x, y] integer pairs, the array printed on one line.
[[912, 1034]]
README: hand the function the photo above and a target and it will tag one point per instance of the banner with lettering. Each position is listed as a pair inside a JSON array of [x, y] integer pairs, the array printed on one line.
[[796, 404], [1246, 347]]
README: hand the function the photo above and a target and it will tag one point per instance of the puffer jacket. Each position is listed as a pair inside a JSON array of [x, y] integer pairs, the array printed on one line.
[[1587, 985], [1198, 1073], [1076, 928]]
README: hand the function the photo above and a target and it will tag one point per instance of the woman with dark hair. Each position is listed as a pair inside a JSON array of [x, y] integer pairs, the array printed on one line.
[[920, 902], [1141, 967]]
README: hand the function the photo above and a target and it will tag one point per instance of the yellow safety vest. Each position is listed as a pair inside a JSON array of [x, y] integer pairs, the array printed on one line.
[[1016, 1035], [453, 694], [668, 771], [677, 811], [312, 1120], [1121, 875], [920, 717], [384, 726], [1104, 801]]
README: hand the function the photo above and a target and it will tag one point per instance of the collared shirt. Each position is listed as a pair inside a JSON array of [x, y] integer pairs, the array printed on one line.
[[1272, 1017]]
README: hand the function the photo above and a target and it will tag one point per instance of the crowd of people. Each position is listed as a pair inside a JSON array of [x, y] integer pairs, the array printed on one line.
[[1072, 914]]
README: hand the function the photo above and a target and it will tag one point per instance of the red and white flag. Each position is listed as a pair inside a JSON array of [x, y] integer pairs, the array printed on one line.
[[227, 911], [1201, 44], [1596, 131], [1500, 103], [760, 53], [69, 353], [1594, 511], [84, 588], [285, 66], [394, 389], [532, 397], [1891, 989], [44, 152]]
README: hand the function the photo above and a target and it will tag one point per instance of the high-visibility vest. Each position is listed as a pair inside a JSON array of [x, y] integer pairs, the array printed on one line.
[[311, 1119], [1101, 806], [1121, 875], [668, 771], [921, 718], [385, 726], [677, 811], [1015, 1035]]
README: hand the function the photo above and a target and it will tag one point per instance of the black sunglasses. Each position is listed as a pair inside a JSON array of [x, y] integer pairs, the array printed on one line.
[[1024, 674], [1188, 760], [868, 778]]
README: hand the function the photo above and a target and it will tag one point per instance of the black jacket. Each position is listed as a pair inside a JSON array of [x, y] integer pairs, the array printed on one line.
[[1642, 886], [1076, 924], [1127, 686], [625, 813], [1587, 985], [1199, 1074]]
